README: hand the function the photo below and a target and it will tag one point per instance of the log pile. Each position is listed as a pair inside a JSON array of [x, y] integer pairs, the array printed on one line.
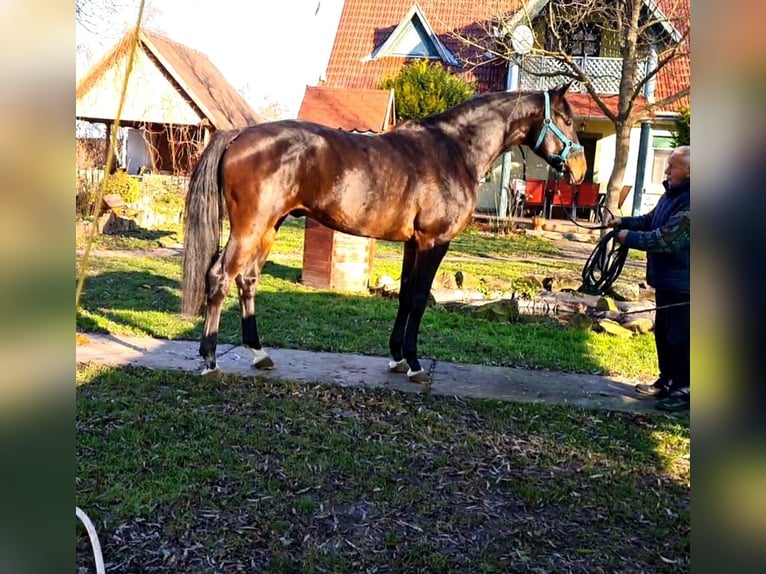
[[610, 314]]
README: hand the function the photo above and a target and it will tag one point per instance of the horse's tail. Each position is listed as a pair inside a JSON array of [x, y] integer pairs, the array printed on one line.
[[203, 216]]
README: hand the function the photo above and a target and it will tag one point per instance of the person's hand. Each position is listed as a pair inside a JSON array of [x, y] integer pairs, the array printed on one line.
[[621, 235], [612, 221]]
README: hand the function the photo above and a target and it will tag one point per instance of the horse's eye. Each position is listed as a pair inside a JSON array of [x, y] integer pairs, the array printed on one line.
[[568, 122]]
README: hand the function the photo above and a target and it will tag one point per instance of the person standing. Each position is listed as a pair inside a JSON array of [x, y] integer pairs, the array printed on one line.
[[663, 233]]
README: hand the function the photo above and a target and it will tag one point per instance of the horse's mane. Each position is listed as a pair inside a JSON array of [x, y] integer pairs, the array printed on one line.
[[467, 107]]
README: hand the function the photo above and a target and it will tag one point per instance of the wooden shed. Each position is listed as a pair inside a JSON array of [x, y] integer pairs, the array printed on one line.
[[331, 259]]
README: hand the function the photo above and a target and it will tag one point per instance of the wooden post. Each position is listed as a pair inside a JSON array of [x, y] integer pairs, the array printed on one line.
[[108, 139]]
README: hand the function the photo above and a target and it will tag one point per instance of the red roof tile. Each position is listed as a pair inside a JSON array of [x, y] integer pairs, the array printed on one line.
[[583, 105], [350, 109], [365, 24], [676, 76]]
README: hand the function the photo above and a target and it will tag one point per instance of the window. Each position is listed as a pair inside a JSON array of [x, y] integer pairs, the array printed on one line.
[[413, 37], [583, 39], [663, 146], [414, 42]]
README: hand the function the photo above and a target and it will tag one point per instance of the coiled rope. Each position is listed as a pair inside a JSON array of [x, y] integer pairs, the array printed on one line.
[[607, 260], [604, 265]]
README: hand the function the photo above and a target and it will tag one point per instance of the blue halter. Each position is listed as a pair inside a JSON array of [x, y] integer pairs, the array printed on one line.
[[569, 145]]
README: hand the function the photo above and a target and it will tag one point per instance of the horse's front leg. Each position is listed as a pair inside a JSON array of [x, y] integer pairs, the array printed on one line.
[[398, 364], [427, 263]]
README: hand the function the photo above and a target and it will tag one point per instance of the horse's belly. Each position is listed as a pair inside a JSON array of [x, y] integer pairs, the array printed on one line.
[[366, 223]]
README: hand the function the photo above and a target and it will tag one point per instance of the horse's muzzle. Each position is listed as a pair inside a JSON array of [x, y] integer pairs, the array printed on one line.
[[576, 167]]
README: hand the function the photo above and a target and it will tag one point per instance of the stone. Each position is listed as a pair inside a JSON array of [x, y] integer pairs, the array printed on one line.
[[447, 280], [580, 321], [613, 328], [502, 310], [639, 324]]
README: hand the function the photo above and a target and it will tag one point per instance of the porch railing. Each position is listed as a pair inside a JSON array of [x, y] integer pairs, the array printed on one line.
[[604, 73]]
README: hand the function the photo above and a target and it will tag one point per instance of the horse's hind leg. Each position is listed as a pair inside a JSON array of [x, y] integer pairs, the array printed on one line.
[[217, 287], [398, 364], [227, 266], [246, 285], [426, 264]]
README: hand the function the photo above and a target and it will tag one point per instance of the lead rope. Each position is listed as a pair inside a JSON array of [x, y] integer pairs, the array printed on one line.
[[604, 265], [110, 157], [93, 535]]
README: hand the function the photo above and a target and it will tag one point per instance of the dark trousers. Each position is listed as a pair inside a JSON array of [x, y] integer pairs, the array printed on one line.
[[671, 335]]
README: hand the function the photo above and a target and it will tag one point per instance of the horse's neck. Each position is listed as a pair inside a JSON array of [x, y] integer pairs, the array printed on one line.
[[489, 129]]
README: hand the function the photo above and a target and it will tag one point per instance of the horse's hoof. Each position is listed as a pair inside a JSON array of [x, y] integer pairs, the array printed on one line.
[[398, 366], [209, 373], [420, 377], [264, 364]]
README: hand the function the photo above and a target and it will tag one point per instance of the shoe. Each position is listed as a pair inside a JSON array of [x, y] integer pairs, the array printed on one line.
[[677, 400], [657, 390]]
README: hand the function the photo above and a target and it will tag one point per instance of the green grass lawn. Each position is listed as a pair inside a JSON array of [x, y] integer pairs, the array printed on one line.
[[182, 474], [246, 475], [140, 295]]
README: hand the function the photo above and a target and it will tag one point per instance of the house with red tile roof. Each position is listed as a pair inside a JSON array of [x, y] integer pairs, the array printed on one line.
[[375, 39], [175, 98]]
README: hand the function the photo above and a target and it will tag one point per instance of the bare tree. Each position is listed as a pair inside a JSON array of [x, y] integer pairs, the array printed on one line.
[[648, 38], [114, 17], [93, 15]]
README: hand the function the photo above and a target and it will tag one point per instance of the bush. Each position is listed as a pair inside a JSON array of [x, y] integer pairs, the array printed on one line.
[[120, 183], [166, 193], [85, 200], [423, 89], [682, 134]]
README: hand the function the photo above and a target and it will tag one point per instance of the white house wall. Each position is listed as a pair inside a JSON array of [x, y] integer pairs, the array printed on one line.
[[149, 98], [136, 155], [605, 162]]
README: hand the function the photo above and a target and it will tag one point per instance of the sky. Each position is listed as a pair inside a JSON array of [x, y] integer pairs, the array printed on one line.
[[269, 50]]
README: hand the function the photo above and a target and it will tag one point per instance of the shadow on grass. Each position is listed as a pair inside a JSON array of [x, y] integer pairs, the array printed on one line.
[[132, 239], [292, 316], [185, 474], [141, 233]]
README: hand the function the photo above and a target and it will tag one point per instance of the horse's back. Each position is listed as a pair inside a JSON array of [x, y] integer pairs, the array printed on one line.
[[377, 185]]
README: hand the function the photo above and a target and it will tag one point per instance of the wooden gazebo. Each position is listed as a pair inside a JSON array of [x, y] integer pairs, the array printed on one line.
[[175, 98]]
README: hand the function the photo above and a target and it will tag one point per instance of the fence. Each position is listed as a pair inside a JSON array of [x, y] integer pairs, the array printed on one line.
[[604, 73]]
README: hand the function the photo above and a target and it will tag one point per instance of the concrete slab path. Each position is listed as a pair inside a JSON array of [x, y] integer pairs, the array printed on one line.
[[452, 379]]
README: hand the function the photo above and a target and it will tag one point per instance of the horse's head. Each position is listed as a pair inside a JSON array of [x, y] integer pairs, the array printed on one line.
[[555, 139]]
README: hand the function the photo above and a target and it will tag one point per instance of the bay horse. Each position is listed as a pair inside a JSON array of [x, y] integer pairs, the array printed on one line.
[[415, 184]]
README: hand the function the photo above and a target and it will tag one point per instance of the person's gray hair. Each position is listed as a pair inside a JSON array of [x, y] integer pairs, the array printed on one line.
[[684, 151]]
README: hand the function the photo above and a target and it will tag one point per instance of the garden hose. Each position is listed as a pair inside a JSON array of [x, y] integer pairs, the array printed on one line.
[[604, 265], [93, 535]]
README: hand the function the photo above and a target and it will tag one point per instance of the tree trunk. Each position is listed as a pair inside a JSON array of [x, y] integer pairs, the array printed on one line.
[[617, 177]]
